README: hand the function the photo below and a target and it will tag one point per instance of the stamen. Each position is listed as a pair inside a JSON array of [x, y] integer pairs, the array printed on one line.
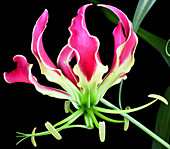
[[53, 131], [111, 111], [33, 138], [126, 121], [66, 106], [158, 97], [102, 131]]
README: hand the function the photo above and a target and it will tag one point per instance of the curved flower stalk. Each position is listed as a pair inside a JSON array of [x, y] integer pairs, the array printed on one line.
[[83, 85]]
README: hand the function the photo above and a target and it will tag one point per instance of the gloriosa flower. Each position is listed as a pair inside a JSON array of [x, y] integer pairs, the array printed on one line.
[[83, 85]]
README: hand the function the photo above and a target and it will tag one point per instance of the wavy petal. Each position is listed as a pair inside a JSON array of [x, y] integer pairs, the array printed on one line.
[[23, 74], [89, 68], [84, 45], [47, 67], [37, 45], [124, 49], [20, 74], [63, 60]]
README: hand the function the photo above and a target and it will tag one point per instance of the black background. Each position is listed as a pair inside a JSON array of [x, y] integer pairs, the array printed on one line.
[[23, 108]]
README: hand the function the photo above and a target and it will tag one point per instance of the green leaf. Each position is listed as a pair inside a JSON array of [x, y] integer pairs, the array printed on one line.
[[142, 9], [94, 1], [158, 43], [111, 16], [162, 127]]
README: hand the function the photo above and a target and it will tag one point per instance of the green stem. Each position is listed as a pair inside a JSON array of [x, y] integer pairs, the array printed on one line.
[[138, 124], [69, 118], [107, 118], [91, 114], [118, 111], [21, 140], [88, 121], [120, 92], [47, 132]]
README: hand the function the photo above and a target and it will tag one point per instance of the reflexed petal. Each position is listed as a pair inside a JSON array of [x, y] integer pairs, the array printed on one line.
[[89, 68], [44, 61], [47, 67], [123, 51], [23, 74], [37, 45], [63, 60], [85, 47], [20, 74]]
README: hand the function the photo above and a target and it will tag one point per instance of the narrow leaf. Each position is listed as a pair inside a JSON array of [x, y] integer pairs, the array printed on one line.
[[142, 9], [53, 131], [158, 43], [167, 49], [102, 131], [111, 16], [94, 1], [162, 127]]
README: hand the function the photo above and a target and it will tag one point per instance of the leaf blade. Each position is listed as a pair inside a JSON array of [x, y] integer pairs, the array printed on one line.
[[158, 43], [163, 122], [142, 9]]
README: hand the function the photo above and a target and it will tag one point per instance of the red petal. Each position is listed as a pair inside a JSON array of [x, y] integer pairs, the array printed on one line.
[[119, 39], [20, 74], [123, 51], [37, 44], [23, 74], [84, 45], [63, 60]]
